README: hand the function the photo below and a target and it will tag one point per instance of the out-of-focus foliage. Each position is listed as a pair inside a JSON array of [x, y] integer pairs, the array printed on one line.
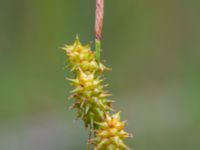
[[152, 47]]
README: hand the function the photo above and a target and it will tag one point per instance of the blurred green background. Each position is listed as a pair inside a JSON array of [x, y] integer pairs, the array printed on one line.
[[152, 46]]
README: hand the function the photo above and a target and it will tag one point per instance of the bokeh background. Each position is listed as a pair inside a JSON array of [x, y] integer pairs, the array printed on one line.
[[152, 46]]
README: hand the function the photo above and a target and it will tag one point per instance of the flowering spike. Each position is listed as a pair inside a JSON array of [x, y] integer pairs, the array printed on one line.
[[111, 134], [91, 100], [89, 94]]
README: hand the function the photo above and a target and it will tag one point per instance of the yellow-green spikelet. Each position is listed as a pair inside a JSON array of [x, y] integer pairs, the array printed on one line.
[[91, 100], [111, 134]]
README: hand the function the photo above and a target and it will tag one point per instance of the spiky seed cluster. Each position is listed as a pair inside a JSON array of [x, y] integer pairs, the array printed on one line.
[[111, 134], [91, 100]]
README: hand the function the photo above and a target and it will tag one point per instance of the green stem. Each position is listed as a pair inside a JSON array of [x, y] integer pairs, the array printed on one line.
[[98, 49]]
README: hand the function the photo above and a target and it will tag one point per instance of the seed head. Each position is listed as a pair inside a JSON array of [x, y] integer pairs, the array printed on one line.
[[111, 134], [91, 100]]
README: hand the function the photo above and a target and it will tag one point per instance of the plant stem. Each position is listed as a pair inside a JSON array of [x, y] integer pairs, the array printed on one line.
[[98, 49], [98, 26], [99, 18]]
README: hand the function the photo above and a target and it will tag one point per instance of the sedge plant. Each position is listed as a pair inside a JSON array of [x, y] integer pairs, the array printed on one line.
[[91, 101]]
